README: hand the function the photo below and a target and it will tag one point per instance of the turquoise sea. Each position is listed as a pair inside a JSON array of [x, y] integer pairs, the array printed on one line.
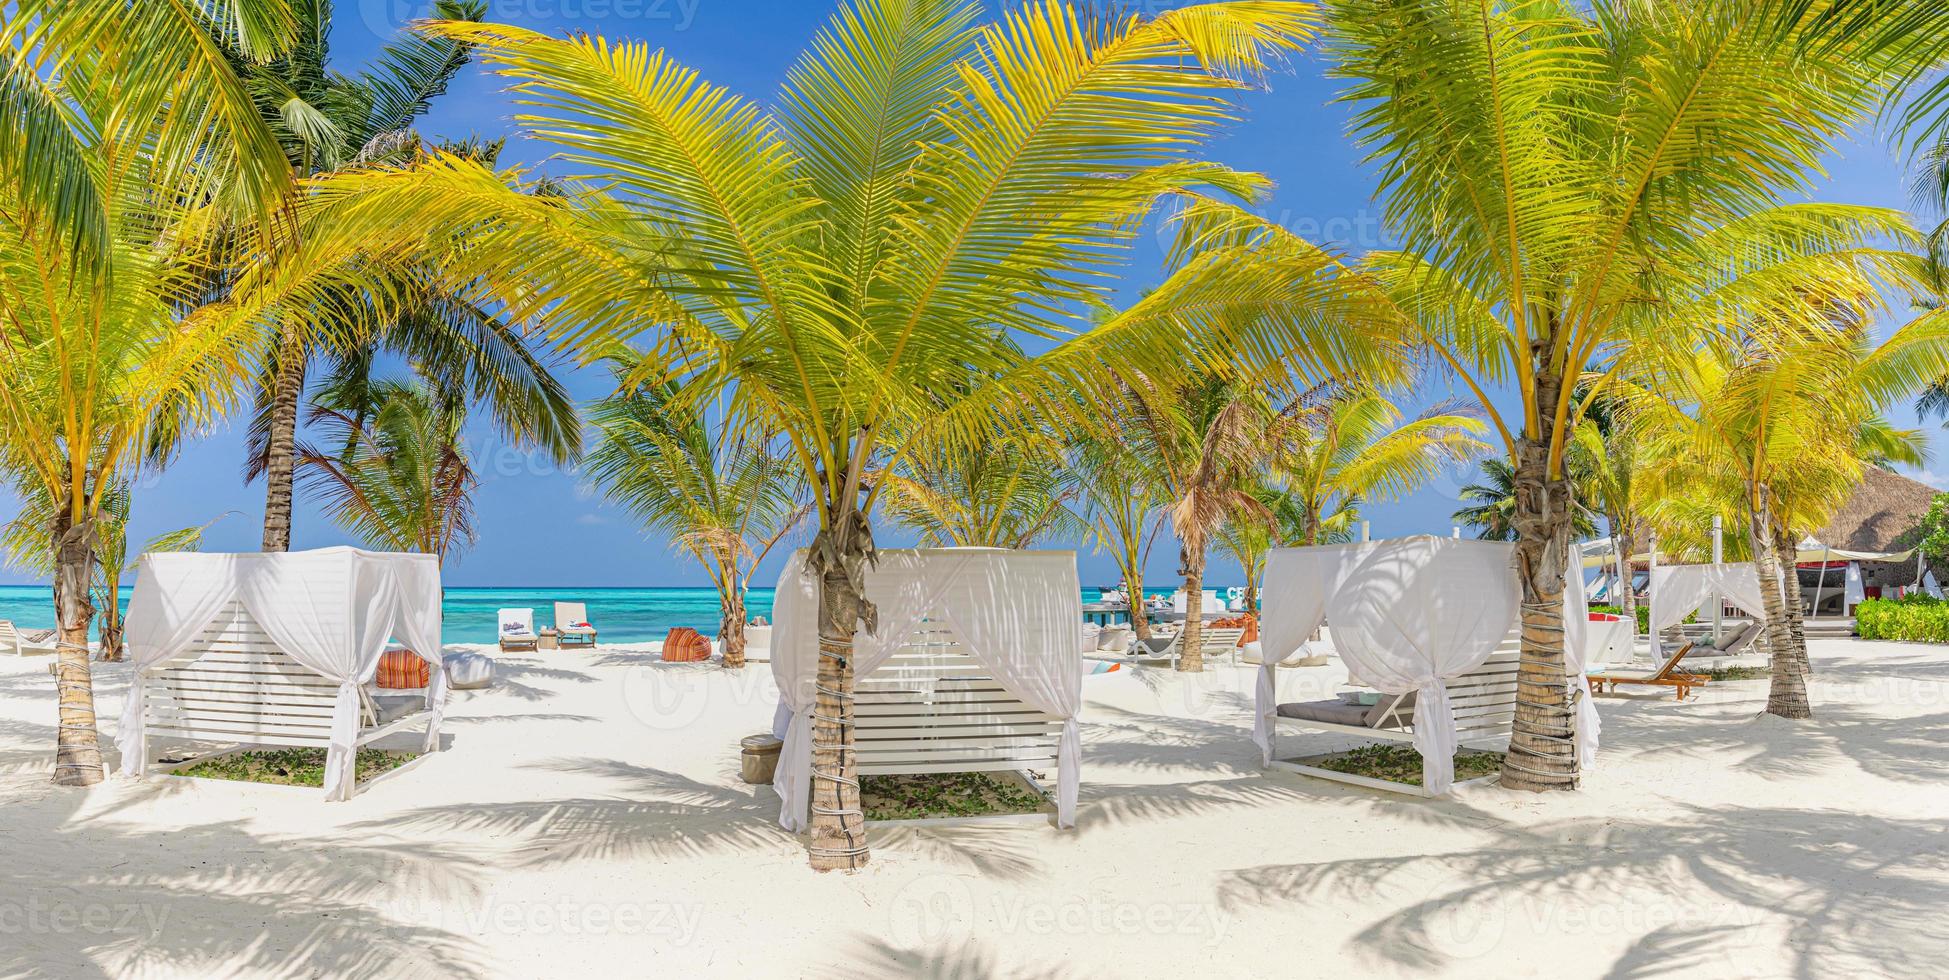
[[620, 615]]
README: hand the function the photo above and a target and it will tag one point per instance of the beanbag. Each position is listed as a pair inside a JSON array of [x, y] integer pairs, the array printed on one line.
[[469, 671], [685, 645], [402, 670]]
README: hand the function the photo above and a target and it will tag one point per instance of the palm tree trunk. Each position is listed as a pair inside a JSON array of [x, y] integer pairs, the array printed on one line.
[[77, 754], [730, 627], [1191, 564], [1542, 748], [1628, 600], [838, 824], [111, 616], [1133, 583], [1789, 559], [281, 451], [1787, 695]]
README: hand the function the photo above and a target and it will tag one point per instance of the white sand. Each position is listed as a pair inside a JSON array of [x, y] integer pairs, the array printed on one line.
[[587, 818]]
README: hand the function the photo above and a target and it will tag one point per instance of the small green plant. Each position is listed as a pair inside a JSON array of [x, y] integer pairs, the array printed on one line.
[[948, 794], [291, 767], [1402, 764], [1734, 672], [1643, 610], [1914, 618]]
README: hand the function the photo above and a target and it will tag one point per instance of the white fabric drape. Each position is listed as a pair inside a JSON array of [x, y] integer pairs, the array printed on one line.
[[331, 610], [1857, 591], [1578, 634], [1930, 585], [1677, 591], [1407, 614], [1014, 612]]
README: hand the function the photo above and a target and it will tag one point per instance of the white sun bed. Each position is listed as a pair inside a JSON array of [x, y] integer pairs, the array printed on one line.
[[1215, 643], [26, 642], [517, 628], [572, 627]]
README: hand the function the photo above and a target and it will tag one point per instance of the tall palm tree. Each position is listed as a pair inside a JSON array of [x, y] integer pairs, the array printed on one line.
[[1356, 448], [132, 162], [394, 470], [1122, 506], [1489, 504], [1008, 492], [904, 255], [1783, 422], [1576, 180], [326, 121], [727, 499]]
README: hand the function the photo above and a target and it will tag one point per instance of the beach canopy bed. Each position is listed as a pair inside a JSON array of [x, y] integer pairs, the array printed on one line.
[[1677, 591], [975, 667], [277, 649], [1431, 623]]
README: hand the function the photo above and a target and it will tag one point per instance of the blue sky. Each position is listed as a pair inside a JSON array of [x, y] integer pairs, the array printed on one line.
[[540, 526]]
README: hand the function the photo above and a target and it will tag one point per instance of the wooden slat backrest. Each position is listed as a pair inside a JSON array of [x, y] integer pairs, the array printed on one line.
[[932, 708], [234, 684]]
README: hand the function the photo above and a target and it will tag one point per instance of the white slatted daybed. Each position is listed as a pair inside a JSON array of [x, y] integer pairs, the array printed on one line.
[[977, 668], [277, 650], [1484, 703]]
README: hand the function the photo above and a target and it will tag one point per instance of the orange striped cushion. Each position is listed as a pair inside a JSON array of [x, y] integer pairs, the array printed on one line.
[[685, 645], [403, 670]]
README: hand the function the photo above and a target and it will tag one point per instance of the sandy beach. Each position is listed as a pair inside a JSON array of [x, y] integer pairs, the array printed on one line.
[[587, 817]]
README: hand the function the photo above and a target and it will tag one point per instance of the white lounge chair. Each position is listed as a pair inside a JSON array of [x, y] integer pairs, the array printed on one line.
[[572, 628], [1214, 643], [26, 642], [517, 629], [757, 643]]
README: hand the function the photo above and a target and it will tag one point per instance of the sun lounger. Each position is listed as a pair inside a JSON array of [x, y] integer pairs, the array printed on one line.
[[572, 627], [1665, 676], [518, 629], [25, 642], [1214, 642]]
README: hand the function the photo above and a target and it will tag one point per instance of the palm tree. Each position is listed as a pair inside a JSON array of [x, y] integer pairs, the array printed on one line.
[[396, 471], [1605, 460], [132, 162], [727, 499], [1783, 422], [1574, 181], [1122, 505], [1008, 492], [1489, 504], [901, 257], [1356, 448], [326, 121]]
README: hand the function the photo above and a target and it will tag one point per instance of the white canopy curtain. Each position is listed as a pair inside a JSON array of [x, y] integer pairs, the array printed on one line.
[[331, 609], [1407, 614], [1016, 613], [1677, 591]]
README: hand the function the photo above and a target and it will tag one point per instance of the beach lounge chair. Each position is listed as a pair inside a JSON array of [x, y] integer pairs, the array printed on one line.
[[1666, 676], [517, 629], [25, 642], [1215, 643], [572, 627]]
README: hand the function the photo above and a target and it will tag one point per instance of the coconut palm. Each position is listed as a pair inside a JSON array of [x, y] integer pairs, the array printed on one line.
[[393, 469], [902, 257], [1122, 506], [1604, 457], [325, 121], [1784, 423], [724, 499], [1356, 447], [1008, 492], [132, 163], [1573, 181]]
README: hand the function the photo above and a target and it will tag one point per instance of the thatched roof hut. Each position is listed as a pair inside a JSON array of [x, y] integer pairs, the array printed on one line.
[[1882, 514]]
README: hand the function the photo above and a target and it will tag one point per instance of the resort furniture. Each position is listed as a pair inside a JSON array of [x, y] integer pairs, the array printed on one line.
[[518, 630], [549, 640], [684, 645], [273, 649], [26, 642], [974, 667], [1665, 676], [1114, 639], [572, 627], [757, 643], [468, 671], [758, 757], [1432, 623], [1677, 591], [402, 670], [1159, 652]]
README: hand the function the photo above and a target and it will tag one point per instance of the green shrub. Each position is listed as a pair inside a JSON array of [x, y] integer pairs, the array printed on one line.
[[1914, 618], [1644, 613]]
